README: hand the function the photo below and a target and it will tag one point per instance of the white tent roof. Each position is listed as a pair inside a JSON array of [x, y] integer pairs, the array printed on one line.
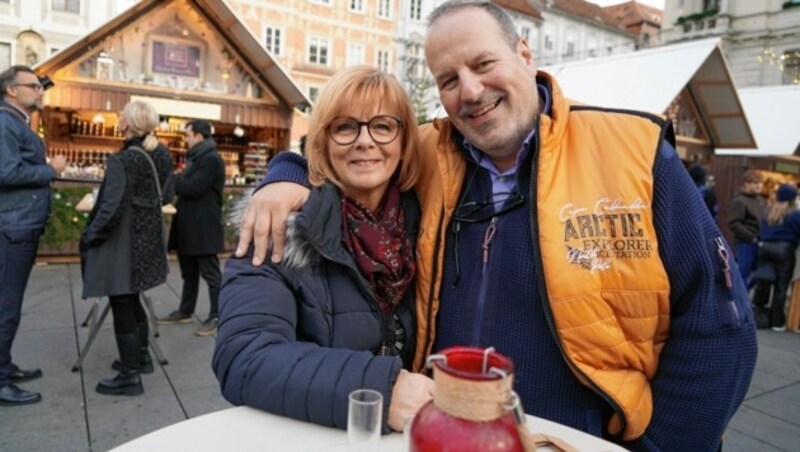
[[646, 80], [774, 115], [649, 80]]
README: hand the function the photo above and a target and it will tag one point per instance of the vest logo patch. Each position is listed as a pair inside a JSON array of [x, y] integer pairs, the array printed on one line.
[[610, 229]]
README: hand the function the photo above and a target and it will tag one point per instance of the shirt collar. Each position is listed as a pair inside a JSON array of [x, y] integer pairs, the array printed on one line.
[[484, 161]]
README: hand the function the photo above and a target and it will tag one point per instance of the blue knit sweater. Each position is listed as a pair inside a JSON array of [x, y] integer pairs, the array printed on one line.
[[705, 366]]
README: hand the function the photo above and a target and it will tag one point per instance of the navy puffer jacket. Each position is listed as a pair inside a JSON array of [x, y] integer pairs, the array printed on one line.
[[295, 339]]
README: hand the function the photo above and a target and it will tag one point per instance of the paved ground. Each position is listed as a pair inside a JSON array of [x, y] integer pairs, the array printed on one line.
[[72, 417]]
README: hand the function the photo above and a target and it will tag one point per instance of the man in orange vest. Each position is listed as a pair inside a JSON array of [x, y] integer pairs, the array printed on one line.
[[568, 237]]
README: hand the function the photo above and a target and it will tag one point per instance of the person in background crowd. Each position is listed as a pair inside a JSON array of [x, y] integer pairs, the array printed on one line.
[[295, 339], [197, 231], [122, 246], [780, 234], [744, 221], [698, 174], [613, 295], [25, 178]]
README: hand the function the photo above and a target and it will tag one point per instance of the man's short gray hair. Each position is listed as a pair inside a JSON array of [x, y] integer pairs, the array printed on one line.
[[497, 13], [9, 77]]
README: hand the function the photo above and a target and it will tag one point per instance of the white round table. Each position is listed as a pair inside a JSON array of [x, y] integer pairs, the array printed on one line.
[[244, 429]]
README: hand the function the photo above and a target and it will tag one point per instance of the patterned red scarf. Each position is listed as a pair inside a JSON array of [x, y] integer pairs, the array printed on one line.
[[378, 242]]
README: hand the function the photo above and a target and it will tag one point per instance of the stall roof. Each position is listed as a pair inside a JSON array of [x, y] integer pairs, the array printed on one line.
[[223, 18], [651, 79], [774, 114]]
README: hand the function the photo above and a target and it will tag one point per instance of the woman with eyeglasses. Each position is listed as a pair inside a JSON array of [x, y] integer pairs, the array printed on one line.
[[337, 314]]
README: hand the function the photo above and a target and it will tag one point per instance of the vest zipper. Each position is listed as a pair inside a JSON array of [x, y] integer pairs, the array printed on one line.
[[428, 345], [543, 288]]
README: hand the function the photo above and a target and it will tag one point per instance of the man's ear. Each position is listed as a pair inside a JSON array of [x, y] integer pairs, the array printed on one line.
[[524, 53]]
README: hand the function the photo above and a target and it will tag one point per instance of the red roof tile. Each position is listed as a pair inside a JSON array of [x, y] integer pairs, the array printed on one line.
[[634, 13]]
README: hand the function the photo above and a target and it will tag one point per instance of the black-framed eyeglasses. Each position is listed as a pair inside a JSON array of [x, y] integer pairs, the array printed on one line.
[[383, 129], [495, 205], [34, 86]]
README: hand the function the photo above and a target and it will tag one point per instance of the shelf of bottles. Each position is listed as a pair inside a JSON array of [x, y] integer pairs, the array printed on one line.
[[90, 141], [254, 162], [82, 164]]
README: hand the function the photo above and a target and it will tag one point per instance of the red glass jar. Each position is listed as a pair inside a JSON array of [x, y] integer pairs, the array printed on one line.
[[472, 407]]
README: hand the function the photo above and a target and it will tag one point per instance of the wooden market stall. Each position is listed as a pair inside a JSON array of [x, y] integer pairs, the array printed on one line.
[[188, 58], [772, 112]]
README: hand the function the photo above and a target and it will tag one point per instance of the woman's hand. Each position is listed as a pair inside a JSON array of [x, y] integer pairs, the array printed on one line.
[[410, 392]]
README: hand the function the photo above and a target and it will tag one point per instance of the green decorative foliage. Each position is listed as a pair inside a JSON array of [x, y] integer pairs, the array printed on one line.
[[697, 16], [64, 227], [791, 4]]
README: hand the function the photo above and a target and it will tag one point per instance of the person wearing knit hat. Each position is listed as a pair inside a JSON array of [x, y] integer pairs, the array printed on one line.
[[780, 234], [786, 193]]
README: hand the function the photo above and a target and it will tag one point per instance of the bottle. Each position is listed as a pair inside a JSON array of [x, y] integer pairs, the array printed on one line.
[[473, 407]]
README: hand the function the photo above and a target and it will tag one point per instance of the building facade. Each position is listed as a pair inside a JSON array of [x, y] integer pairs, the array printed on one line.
[[574, 30], [32, 31], [761, 39]]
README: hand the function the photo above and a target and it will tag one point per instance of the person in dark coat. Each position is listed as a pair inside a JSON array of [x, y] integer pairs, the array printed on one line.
[[700, 179], [744, 221], [25, 178], [197, 233], [337, 314], [780, 234], [122, 246]]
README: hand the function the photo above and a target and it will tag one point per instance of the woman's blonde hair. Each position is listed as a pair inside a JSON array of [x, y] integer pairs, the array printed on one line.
[[142, 119], [367, 86], [778, 211]]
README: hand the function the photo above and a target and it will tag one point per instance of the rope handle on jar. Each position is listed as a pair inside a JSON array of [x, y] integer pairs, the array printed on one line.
[[532, 441]]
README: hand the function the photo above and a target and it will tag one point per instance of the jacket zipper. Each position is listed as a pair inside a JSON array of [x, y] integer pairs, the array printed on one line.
[[543, 288], [732, 319], [367, 292], [479, 309]]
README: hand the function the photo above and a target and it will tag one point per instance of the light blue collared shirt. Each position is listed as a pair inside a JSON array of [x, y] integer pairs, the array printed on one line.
[[506, 181]]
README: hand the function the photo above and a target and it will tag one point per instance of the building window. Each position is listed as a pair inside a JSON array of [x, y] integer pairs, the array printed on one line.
[[416, 10], [548, 42], [355, 54], [322, 2], [791, 67], [273, 40], [570, 51], [525, 32], [383, 60], [5, 56], [357, 6], [318, 50], [313, 92], [385, 9], [70, 6], [710, 5]]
